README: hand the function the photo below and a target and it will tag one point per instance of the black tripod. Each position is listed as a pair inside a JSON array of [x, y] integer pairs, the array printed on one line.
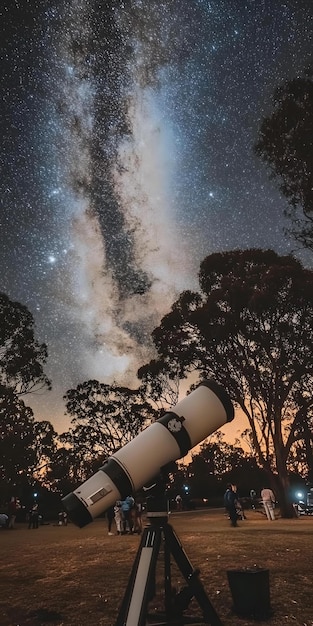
[[141, 586]]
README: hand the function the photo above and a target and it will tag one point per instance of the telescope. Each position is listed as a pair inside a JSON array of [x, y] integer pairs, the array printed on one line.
[[170, 438]]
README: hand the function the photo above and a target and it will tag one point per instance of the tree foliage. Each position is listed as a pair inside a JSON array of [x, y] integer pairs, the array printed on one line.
[[65, 471], [25, 445], [16, 437], [104, 419], [21, 357], [285, 144], [220, 456], [250, 327], [217, 463], [160, 383]]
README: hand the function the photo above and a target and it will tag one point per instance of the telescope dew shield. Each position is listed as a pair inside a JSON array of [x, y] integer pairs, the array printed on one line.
[[191, 421]]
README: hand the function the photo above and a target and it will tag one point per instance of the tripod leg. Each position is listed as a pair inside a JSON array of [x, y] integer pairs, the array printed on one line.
[[168, 599], [142, 579], [191, 576]]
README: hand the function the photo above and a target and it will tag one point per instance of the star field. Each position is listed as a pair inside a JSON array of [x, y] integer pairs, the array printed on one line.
[[127, 133]]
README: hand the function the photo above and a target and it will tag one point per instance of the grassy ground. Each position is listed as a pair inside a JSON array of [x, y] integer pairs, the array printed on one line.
[[77, 577]]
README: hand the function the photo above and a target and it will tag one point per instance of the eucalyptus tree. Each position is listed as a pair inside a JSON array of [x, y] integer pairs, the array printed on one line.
[[160, 382], [220, 456], [17, 454], [65, 471], [250, 327], [104, 419], [218, 462], [26, 446], [285, 144], [22, 357]]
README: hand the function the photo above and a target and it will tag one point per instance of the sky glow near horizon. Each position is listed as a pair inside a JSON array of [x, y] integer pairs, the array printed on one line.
[[127, 157]]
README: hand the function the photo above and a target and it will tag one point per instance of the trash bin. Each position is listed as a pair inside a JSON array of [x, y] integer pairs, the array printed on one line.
[[250, 590]]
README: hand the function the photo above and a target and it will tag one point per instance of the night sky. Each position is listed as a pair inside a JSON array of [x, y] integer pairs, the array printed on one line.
[[127, 132]]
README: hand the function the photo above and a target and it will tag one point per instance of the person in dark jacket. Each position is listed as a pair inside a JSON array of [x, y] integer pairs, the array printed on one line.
[[110, 518], [126, 507], [230, 502], [33, 517]]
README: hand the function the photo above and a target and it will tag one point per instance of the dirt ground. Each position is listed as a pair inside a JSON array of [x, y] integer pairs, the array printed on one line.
[[66, 576]]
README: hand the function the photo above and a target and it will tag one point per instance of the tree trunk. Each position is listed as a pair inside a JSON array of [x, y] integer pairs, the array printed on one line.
[[281, 487], [307, 438]]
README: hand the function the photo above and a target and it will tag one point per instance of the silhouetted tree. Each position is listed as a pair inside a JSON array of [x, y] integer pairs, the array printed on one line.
[[65, 471], [45, 445], [220, 456], [16, 437], [250, 327], [160, 383], [24, 442], [21, 357], [25, 445], [218, 462], [105, 418], [285, 144], [300, 460]]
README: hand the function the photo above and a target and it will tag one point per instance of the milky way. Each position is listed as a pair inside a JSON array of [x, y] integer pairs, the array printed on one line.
[[127, 157]]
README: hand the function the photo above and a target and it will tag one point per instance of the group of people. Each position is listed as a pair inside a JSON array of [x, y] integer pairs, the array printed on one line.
[[234, 508], [14, 506], [127, 515]]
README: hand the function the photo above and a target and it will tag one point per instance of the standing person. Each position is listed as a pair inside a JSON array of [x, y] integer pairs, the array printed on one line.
[[230, 501], [239, 507], [179, 502], [33, 517], [12, 510], [268, 500], [110, 518], [136, 517], [3, 520], [252, 498], [126, 507], [118, 516]]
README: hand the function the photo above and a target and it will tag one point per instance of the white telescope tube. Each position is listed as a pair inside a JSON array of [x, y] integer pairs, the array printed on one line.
[[191, 421]]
